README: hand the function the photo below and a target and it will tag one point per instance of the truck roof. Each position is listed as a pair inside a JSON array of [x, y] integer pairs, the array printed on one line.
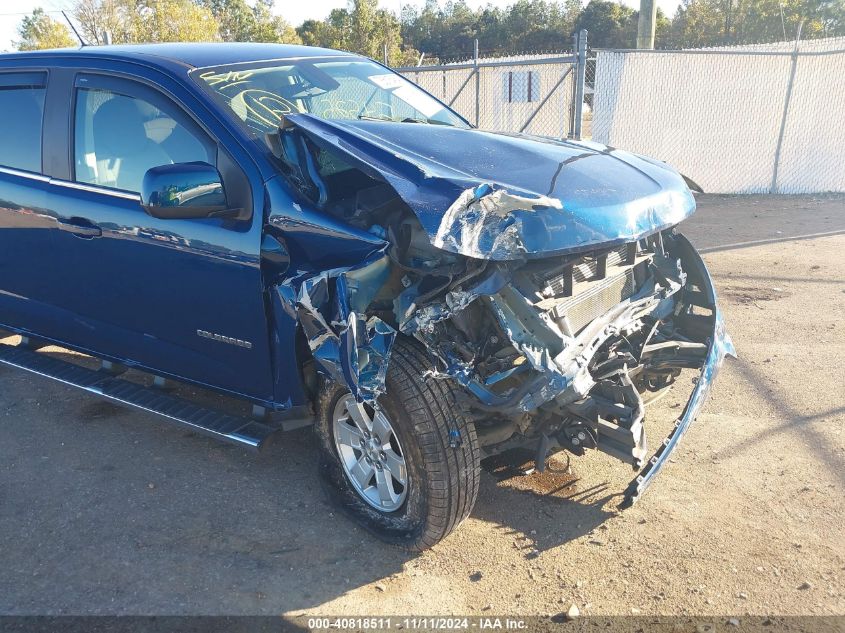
[[195, 55]]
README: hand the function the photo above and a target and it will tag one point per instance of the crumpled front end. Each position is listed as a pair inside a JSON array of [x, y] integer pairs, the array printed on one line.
[[559, 335], [566, 353]]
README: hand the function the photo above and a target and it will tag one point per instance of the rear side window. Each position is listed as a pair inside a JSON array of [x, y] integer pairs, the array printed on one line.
[[21, 115]]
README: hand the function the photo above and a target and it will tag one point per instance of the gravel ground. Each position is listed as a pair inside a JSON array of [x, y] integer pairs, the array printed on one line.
[[108, 511]]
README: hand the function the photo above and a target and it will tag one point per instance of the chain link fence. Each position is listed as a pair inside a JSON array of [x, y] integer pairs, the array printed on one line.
[[747, 119], [751, 119], [535, 94], [589, 95]]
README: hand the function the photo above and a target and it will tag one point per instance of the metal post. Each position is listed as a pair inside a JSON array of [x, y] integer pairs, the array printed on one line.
[[384, 53], [774, 186], [580, 78], [574, 87], [477, 85], [646, 24]]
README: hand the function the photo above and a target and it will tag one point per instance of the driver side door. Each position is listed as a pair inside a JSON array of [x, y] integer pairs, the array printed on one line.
[[147, 291]]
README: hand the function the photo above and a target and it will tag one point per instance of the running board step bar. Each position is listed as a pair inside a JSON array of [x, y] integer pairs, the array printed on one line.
[[229, 428]]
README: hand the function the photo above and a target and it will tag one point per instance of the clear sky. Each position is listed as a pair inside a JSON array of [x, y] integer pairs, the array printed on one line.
[[294, 11]]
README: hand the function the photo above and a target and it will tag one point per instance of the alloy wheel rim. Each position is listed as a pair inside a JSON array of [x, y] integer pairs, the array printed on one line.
[[369, 450]]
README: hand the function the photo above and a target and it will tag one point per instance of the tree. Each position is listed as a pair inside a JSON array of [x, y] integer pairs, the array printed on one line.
[[610, 25], [96, 17], [314, 32], [271, 28], [238, 22], [38, 31], [527, 26], [537, 25], [135, 21], [443, 31], [832, 16], [725, 22], [172, 21], [662, 30], [361, 28], [449, 32], [235, 19]]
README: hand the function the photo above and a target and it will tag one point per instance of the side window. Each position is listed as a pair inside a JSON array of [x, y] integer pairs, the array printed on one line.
[[21, 113], [117, 138]]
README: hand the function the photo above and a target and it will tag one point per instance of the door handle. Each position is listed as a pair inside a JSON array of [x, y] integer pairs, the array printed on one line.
[[80, 227]]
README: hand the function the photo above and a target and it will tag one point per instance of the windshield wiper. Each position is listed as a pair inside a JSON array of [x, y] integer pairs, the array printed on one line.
[[373, 117], [426, 121]]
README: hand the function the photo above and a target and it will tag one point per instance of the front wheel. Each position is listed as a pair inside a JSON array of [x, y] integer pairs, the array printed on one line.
[[407, 469]]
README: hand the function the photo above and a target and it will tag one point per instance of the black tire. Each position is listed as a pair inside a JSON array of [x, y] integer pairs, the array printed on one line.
[[443, 478]]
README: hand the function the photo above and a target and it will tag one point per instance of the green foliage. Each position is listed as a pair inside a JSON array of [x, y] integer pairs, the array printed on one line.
[[447, 30], [610, 25], [238, 22], [96, 17], [528, 25], [38, 31], [725, 22], [361, 28], [172, 21], [136, 21], [444, 31]]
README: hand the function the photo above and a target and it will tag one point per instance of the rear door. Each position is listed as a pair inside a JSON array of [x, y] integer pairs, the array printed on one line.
[[26, 224], [143, 290]]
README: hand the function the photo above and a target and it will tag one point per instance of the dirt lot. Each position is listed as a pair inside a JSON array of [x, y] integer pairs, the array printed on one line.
[[104, 510]]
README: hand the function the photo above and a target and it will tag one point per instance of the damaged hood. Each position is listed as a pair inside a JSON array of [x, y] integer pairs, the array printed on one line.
[[505, 197]]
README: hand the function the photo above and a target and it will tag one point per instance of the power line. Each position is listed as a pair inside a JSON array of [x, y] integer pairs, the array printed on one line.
[[58, 7], [27, 13]]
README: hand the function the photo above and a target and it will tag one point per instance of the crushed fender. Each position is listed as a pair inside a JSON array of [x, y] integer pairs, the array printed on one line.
[[349, 346]]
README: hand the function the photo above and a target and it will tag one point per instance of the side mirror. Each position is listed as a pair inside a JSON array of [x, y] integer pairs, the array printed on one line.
[[184, 191]]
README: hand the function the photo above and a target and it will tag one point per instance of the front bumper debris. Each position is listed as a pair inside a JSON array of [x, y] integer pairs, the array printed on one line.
[[719, 347]]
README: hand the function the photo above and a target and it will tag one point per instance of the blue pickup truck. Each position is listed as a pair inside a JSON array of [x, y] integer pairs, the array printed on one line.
[[310, 232]]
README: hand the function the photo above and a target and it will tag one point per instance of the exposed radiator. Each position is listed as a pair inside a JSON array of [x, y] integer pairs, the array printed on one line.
[[581, 289], [596, 300], [586, 269]]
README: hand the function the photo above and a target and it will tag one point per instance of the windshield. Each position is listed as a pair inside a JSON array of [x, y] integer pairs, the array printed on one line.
[[338, 88]]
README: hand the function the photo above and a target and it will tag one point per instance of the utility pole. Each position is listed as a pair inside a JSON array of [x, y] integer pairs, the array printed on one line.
[[646, 24]]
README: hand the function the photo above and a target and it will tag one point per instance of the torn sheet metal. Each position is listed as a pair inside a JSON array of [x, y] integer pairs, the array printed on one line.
[[563, 361], [349, 347], [509, 197], [414, 318], [524, 335], [488, 222]]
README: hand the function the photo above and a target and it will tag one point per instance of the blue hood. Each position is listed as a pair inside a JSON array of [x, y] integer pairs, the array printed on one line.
[[505, 197]]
